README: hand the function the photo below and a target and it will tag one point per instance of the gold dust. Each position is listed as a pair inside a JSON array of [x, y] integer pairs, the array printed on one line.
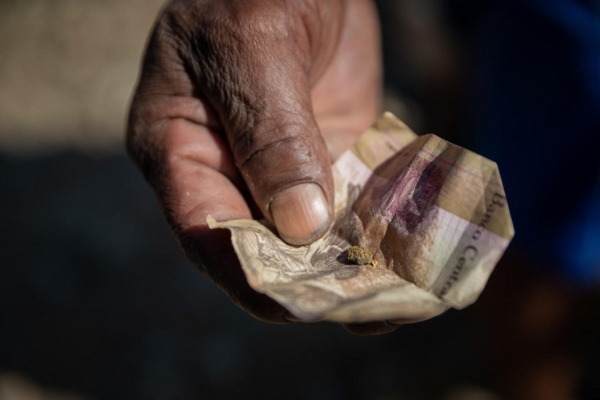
[[361, 256]]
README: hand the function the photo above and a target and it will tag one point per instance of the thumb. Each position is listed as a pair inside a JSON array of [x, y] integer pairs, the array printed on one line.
[[259, 85], [285, 163], [284, 160]]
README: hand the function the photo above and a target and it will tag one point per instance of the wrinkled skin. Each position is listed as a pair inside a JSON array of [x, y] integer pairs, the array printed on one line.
[[239, 100]]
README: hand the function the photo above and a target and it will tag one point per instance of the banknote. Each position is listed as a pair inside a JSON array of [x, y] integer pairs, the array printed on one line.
[[433, 215]]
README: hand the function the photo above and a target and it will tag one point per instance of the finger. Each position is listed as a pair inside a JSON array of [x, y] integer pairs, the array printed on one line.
[[174, 137], [212, 250], [193, 183], [255, 72], [371, 328]]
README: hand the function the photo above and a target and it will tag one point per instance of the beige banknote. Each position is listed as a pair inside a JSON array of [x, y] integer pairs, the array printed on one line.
[[433, 214]]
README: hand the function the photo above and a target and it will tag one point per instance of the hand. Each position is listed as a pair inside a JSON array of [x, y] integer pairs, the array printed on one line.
[[240, 109]]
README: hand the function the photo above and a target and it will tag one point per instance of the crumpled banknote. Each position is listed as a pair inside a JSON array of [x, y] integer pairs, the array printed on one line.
[[434, 216]]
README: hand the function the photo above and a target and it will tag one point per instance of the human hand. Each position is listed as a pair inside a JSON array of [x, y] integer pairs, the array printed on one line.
[[240, 109]]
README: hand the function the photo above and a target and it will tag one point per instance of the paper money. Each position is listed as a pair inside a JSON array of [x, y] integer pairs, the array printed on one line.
[[434, 215]]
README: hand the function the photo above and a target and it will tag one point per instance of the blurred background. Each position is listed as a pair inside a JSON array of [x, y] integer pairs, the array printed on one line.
[[97, 302]]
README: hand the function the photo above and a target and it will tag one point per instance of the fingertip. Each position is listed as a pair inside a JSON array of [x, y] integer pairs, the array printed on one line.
[[301, 213]]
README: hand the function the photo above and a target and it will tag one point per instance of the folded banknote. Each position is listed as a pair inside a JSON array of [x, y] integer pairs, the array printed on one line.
[[432, 215]]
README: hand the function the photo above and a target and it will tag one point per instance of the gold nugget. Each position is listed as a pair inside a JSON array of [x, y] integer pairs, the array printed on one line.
[[361, 256]]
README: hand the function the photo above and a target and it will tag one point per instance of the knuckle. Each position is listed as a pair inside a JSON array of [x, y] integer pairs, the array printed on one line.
[[134, 133], [141, 144], [282, 137], [144, 153], [169, 31], [293, 149], [269, 160]]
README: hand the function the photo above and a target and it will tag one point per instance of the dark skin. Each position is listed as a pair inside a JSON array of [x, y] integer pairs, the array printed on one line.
[[241, 107]]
